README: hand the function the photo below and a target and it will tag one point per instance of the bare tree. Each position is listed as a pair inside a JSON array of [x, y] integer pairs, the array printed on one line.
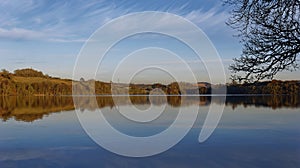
[[270, 33]]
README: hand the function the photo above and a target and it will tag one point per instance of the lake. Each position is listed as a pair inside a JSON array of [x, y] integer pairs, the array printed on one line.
[[254, 131]]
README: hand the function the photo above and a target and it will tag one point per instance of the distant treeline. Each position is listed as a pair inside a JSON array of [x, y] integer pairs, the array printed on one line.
[[274, 87], [32, 82]]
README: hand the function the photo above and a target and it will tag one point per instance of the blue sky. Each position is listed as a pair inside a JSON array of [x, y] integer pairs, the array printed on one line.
[[48, 35]]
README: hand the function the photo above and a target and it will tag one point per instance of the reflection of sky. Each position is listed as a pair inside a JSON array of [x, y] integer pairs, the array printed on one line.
[[245, 137]]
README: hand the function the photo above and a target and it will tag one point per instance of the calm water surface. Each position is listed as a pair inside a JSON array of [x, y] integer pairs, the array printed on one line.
[[254, 131]]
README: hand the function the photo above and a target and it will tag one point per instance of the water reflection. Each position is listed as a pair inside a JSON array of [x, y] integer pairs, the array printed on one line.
[[32, 108], [29, 109], [245, 137]]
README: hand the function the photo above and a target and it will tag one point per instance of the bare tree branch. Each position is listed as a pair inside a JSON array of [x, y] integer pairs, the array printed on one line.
[[270, 34]]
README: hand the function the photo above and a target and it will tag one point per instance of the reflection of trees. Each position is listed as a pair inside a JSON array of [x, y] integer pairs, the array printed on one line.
[[278, 101], [32, 108]]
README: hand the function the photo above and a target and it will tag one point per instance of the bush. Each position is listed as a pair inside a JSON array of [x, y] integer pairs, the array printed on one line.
[[28, 73]]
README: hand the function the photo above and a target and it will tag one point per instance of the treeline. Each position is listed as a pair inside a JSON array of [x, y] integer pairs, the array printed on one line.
[[32, 82], [274, 87]]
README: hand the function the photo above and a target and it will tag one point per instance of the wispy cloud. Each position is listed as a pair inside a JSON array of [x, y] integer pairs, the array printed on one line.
[[61, 21], [19, 33], [25, 34], [211, 61], [213, 18], [72, 21]]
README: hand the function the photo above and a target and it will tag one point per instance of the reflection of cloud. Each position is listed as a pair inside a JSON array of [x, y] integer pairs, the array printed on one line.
[[74, 148], [21, 155], [7, 138]]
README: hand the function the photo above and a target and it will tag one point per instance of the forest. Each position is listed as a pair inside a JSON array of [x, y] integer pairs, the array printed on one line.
[[28, 81]]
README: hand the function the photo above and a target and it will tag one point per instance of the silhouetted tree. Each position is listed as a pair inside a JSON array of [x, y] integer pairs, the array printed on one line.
[[270, 34]]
